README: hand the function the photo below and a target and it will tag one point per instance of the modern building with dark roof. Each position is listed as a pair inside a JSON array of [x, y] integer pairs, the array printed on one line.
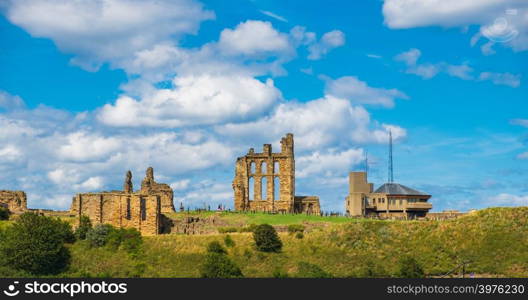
[[391, 200]]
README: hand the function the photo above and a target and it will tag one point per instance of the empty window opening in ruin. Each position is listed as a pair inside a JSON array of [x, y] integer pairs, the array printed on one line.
[[143, 209], [251, 185], [252, 167], [263, 168], [264, 190], [128, 214], [276, 168], [276, 188]]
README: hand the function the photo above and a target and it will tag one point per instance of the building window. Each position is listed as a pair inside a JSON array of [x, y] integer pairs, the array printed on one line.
[[374, 201], [143, 209], [128, 214]]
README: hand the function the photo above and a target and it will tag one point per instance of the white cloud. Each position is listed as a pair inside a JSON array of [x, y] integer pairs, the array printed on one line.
[[102, 31], [329, 164], [502, 78], [409, 57], [505, 199], [462, 71], [253, 38], [503, 21], [10, 102], [329, 41], [82, 146], [194, 100], [180, 184], [317, 123], [358, 92]]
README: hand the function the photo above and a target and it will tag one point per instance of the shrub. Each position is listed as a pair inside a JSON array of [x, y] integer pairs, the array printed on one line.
[[219, 266], [215, 247], [294, 228], [128, 239], [4, 213], [410, 268], [308, 270], [84, 226], [227, 229], [228, 241], [266, 238], [35, 244], [98, 236], [299, 235]]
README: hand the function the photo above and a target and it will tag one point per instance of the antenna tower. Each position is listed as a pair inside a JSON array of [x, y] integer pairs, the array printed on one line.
[[391, 175]]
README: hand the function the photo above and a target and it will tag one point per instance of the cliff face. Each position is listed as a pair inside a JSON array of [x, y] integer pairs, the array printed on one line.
[[15, 201]]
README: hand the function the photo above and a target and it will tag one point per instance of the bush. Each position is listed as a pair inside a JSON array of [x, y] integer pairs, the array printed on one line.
[[227, 229], [219, 266], [215, 247], [410, 268], [299, 235], [294, 228], [85, 225], [128, 239], [35, 244], [98, 236], [267, 239], [4, 213], [308, 270], [228, 241]]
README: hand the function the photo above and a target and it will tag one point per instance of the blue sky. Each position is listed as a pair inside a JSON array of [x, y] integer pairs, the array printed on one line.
[[90, 89]]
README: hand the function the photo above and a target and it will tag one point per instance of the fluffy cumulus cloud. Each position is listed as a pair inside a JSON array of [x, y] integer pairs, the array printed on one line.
[[98, 31], [500, 21], [317, 48], [253, 38], [317, 123], [330, 164], [357, 91], [462, 71], [194, 100]]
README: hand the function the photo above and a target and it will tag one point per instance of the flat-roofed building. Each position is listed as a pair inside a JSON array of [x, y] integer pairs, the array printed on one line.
[[388, 201]]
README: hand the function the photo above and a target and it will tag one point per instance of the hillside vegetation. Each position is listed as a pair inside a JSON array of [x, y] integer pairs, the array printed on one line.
[[492, 242]]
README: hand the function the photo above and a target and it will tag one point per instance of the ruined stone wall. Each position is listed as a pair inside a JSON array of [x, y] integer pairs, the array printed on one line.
[[15, 201], [275, 169], [141, 210], [307, 205], [120, 210], [150, 187]]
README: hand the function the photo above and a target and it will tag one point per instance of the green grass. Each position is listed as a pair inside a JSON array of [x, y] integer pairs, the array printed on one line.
[[493, 240], [235, 218]]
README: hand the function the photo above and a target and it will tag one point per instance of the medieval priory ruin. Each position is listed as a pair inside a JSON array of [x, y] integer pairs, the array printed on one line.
[[263, 182]]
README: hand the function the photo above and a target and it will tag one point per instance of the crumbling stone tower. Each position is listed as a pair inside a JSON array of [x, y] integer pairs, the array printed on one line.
[[266, 181]]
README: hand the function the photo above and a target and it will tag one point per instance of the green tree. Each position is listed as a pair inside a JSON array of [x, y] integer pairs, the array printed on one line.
[[85, 225], [219, 266], [216, 247], [4, 213], [228, 241], [35, 244], [267, 239], [98, 236], [410, 268]]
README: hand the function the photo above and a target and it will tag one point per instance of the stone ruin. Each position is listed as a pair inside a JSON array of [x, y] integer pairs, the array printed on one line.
[[265, 182], [14, 201], [142, 210]]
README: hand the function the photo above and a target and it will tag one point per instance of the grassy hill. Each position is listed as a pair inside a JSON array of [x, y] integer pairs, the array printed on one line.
[[493, 241]]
